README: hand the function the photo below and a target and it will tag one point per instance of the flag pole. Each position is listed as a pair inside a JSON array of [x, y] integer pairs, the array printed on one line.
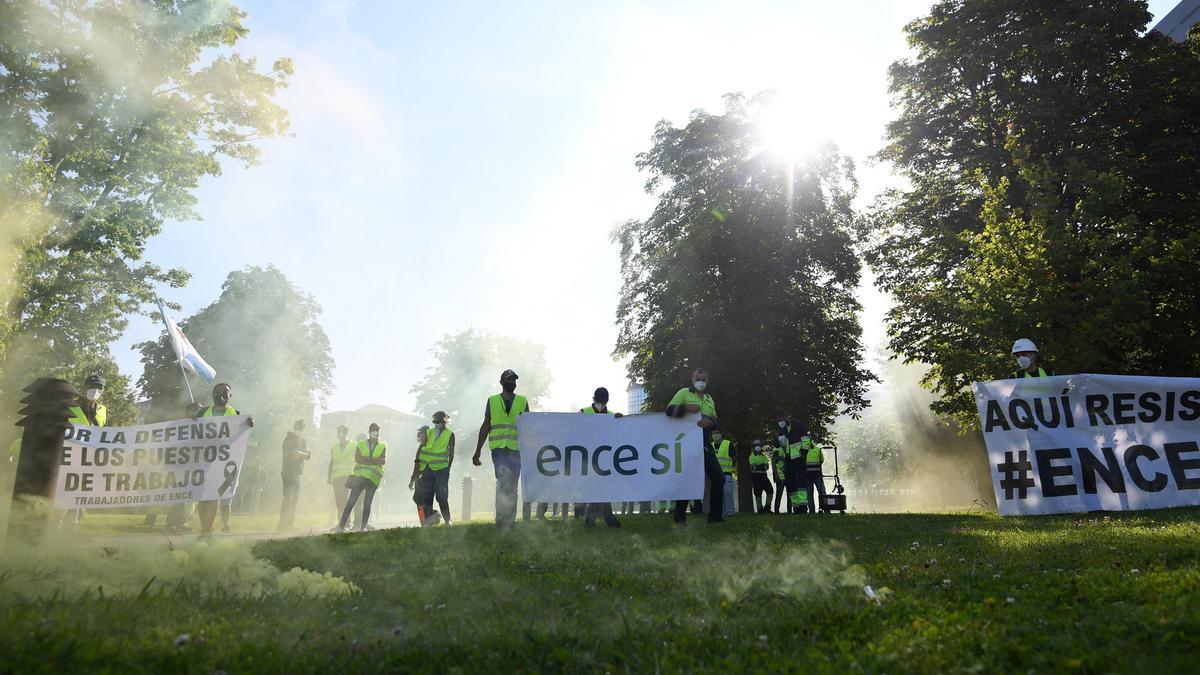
[[178, 358], [185, 380]]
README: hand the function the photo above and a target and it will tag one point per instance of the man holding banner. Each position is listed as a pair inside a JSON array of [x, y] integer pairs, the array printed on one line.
[[691, 400], [207, 510], [599, 406]]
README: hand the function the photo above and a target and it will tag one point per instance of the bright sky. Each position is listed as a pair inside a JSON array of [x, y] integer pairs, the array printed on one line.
[[462, 164]]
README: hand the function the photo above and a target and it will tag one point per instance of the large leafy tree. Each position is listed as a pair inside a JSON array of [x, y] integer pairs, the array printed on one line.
[[111, 112], [1052, 152], [263, 337], [466, 371], [745, 267]]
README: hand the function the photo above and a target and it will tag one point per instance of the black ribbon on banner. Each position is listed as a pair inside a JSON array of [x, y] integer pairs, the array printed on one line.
[[231, 472]]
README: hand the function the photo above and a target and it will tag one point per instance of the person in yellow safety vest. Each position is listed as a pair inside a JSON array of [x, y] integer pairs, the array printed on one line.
[[599, 406], [418, 495], [793, 435], [499, 428], [725, 458], [341, 467], [432, 468], [1029, 360], [760, 483], [689, 401], [369, 458], [88, 411], [207, 510], [779, 474], [814, 483]]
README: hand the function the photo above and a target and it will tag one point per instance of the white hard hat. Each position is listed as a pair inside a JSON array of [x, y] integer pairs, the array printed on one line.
[[1024, 345]]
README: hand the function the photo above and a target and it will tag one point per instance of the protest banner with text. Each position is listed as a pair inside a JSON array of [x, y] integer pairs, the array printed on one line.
[[151, 464], [1076, 443], [575, 457]]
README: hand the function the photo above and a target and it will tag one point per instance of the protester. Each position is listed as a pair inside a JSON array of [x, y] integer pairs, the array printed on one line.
[[222, 394], [760, 465], [414, 486], [779, 475], [814, 483], [793, 436], [87, 411], [604, 510], [369, 459], [433, 463], [1029, 360], [722, 447], [341, 467], [691, 400], [295, 454], [499, 428]]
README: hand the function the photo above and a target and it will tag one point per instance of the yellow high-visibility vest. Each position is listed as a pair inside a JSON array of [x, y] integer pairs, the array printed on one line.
[[503, 434]]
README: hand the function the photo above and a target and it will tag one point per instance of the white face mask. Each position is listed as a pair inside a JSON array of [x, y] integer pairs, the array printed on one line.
[[1024, 361], [600, 407], [374, 435], [440, 425], [700, 385], [92, 395], [782, 424]]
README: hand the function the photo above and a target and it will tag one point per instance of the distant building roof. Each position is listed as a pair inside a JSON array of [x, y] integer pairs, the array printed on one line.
[[1177, 21]]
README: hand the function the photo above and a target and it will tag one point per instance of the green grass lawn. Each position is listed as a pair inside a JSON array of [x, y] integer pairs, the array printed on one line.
[[959, 592]]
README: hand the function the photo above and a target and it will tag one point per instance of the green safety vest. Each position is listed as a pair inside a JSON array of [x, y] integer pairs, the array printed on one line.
[[814, 458], [370, 471], [342, 463], [685, 396], [80, 418], [503, 434], [592, 411], [435, 454], [798, 450], [780, 473], [1041, 372], [759, 462], [207, 412], [724, 459]]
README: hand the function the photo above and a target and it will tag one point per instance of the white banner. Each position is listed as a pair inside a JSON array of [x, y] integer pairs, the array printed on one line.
[[152, 464], [1076, 443], [575, 457]]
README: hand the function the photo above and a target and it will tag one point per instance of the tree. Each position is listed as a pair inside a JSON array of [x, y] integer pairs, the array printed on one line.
[[112, 113], [262, 336], [745, 267], [1052, 151], [466, 371]]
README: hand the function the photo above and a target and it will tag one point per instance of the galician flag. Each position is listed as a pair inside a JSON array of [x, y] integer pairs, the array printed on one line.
[[185, 353]]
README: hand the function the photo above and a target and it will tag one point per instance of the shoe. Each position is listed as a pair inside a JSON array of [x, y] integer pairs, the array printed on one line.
[[613, 523], [712, 521], [225, 529], [337, 530], [589, 523]]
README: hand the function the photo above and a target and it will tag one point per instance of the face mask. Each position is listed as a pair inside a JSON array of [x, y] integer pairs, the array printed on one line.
[[700, 385], [92, 395], [601, 407], [782, 424], [221, 399], [1024, 361], [374, 435], [440, 425], [508, 386]]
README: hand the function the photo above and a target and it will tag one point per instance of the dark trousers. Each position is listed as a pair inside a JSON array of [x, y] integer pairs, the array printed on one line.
[[815, 485], [291, 495], [797, 473], [602, 510], [780, 493], [716, 491], [363, 487], [507, 464], [436, 485], [761, 486]]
